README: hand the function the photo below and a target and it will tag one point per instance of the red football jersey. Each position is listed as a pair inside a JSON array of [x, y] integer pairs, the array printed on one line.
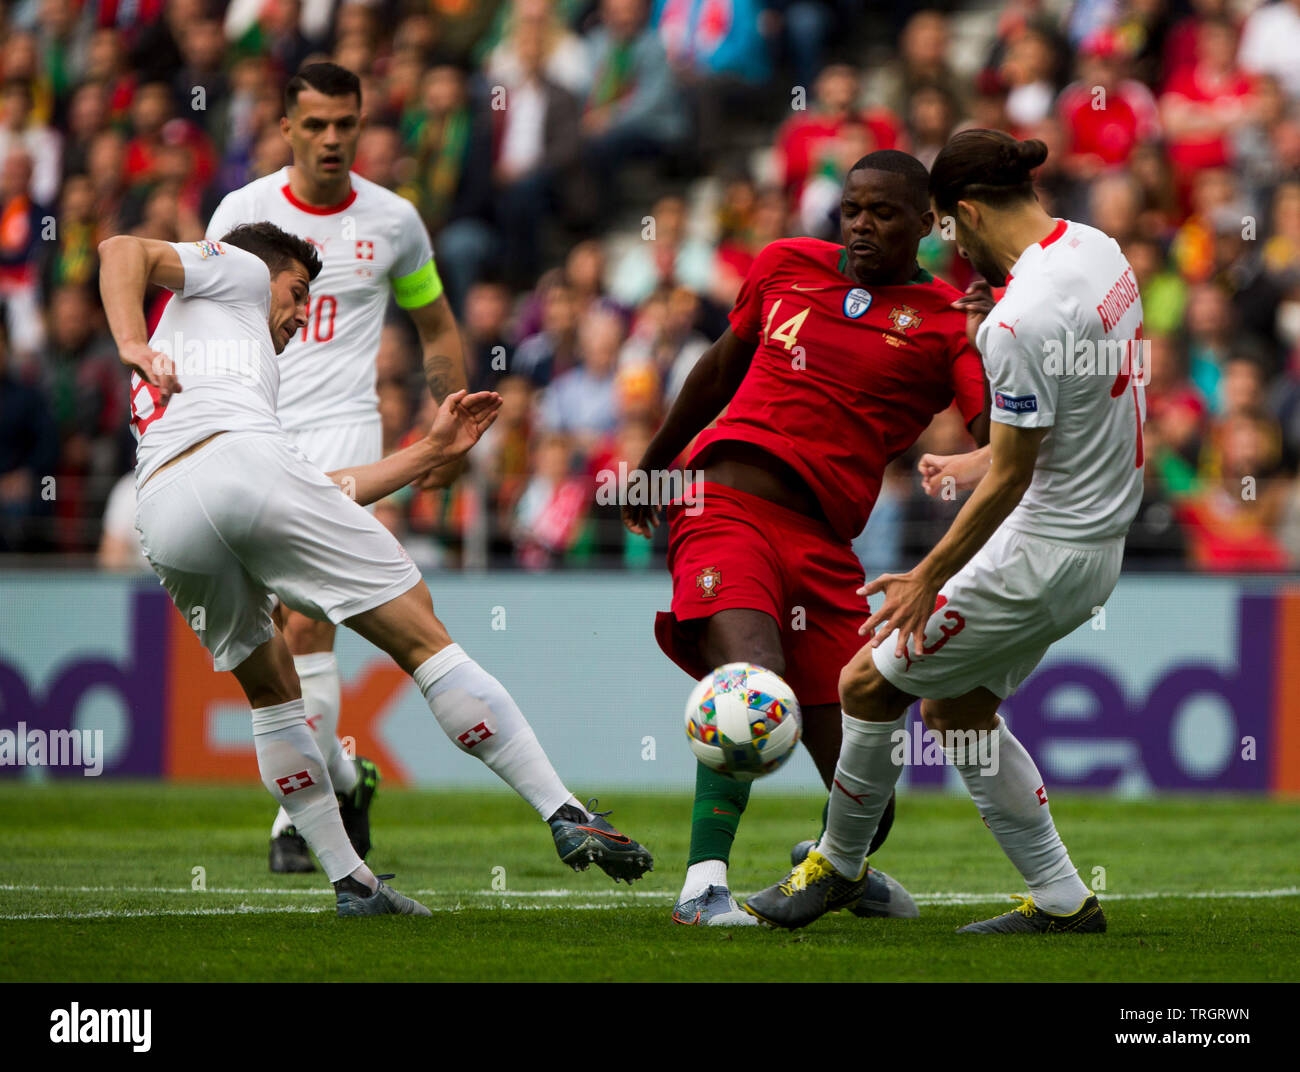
[[844, 378]]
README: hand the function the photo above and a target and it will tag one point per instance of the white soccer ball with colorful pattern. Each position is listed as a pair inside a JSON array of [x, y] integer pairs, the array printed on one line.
[[742, 721]]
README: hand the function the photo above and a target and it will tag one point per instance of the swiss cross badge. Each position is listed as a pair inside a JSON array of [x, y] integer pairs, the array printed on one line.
[[475, 735], [707, 581], [365, 251], [293, 782], [904, 317]]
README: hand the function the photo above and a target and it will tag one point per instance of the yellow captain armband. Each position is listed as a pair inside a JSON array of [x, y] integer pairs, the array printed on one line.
[[419, 288]]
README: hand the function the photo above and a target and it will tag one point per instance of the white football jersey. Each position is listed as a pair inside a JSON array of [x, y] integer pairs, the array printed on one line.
[[370, 242], [1061, 350], [215, 330]]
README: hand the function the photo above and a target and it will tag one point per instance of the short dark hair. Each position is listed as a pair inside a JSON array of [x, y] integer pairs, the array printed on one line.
[[327, 78], [277, 248], [985, 165], [900, 163]]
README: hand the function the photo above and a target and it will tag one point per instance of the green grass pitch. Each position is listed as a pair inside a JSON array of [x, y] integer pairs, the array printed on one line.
[[96, 885]]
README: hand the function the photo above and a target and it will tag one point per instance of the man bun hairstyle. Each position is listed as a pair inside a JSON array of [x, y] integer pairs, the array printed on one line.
[[985, 165], [276, 248], [327, 78]]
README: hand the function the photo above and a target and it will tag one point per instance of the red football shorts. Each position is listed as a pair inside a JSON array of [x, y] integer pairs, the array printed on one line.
[[740, 551]]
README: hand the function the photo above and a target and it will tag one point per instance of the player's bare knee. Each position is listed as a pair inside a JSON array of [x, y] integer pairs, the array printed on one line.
[[867, 694], [742, 636], [405, 627], [268, 677], [959, 714], [306, 635]]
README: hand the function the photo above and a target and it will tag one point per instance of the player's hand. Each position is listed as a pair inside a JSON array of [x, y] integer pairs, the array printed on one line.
[[909, 602], [943, 474], [154, 367], [641, 519], [975, 303], [460, 422], [645, 517]]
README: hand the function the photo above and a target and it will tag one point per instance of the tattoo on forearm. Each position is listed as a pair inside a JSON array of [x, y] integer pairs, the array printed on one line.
[[438, 372]]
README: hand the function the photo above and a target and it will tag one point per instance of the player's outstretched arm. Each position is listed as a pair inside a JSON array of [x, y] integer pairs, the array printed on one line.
[[127, 265], [460, 422], [909, 597], [942, 475], [712, 384]]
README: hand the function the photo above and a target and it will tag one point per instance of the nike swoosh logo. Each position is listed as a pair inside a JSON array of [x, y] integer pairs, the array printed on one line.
[[796, 286], [719, 811], [618, 839]]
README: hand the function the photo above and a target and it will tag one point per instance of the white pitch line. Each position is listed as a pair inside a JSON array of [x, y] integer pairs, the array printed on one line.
[[141, 913], [317, 891], [940, 899], [251, 910], [498, 899], [254, 910]]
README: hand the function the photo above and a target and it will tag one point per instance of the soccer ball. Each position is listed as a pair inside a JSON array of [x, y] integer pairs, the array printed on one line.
[[742, 721]]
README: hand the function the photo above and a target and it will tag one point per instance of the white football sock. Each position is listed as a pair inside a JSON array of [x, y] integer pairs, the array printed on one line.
[[479, 716], [323, 696], [699, 877], [293, 771], [1014, 805], [865, 777], [318, 673]]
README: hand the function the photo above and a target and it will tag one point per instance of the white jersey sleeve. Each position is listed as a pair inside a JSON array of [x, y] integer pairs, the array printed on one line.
[[1022, 391], [414, 250], [412, 274], [224, 273]]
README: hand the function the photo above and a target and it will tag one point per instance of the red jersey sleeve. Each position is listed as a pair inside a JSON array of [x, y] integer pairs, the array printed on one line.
[[746, 315], [969, 384]]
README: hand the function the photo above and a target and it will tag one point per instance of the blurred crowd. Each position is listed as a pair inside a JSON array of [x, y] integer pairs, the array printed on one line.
[[598, 177]]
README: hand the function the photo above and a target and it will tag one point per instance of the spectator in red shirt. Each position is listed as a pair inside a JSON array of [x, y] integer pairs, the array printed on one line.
[[1105, 114], [1234, 518], [1203, 103], [106, 65], [150, 109], [1180, 45], [764, 222], [835, 99]]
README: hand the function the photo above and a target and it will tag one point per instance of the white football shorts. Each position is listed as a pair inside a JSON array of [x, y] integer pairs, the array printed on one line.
[[997, 616], [341, 446], [248, 517]]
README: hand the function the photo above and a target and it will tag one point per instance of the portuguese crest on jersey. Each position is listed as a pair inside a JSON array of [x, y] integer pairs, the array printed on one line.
[[707, 581], [856, 302], [904, 317]]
